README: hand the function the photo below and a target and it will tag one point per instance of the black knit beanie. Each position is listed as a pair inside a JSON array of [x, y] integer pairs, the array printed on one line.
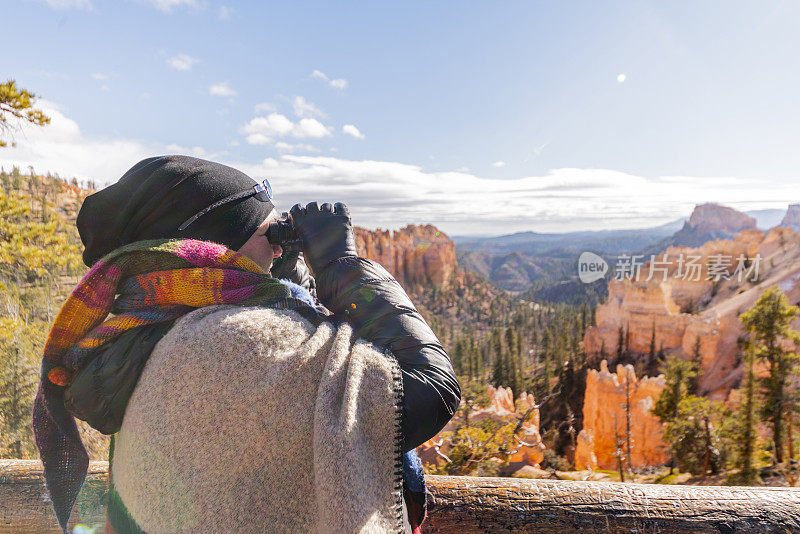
[[157, 195]]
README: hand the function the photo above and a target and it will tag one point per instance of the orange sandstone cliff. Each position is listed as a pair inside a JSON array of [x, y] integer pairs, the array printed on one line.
[[605, 421], [683, 310], [423, 260], [414, 254], [685, 315]]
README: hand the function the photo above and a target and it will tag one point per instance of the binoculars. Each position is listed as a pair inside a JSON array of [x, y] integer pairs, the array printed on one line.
[[282, 232]]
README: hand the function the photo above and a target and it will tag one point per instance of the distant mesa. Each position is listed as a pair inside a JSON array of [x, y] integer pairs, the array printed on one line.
[[709, 222], [792, 217]]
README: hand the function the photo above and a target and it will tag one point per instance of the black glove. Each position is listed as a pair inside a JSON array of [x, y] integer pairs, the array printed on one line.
[[326, 233], [290, 266]]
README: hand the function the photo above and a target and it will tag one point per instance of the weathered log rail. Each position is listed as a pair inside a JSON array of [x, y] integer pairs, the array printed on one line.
[[471, 505]]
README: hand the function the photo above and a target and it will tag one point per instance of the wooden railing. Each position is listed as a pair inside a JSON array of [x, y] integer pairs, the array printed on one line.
[[471, 505]]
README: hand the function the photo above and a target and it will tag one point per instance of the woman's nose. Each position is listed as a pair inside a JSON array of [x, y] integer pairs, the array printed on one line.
[[277, 251]]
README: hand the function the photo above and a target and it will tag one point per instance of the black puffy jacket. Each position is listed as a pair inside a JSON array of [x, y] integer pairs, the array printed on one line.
[[356, 289]]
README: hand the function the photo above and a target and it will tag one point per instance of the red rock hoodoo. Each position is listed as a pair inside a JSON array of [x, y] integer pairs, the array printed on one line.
[[685, 309], [605, 419], [414, 254]]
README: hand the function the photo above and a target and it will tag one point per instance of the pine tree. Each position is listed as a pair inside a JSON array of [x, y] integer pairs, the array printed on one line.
[[513, 378], [458, 358], [19, 345], [673, 406], [697, 360], [17, 104], [620, 343], [745, 437], [496, 349], [628, 429], [584, 318], [677, 375], [652, 353], [769, 324], [478, 360], [694, 435], [627, 339], [547, 359]]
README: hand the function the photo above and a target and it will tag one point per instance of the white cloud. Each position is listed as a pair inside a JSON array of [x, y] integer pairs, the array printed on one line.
[[67, 4], [99, 76], [221, 89], [350, 129], [167, 6], [258, 139], [61, 147], [337, 83], [499, 164], [224, 12], [390, 194], [263, 130], [310, 128], [304, 108], [299, 147], [621, 77], [264, 107], [196, 151], [182, 62]]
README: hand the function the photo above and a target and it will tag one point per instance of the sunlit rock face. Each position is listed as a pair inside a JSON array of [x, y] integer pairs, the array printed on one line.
[[605, 420], [686, 309], [585, 458], [712, 221], [414, 254], [792, 217], [503, 409]]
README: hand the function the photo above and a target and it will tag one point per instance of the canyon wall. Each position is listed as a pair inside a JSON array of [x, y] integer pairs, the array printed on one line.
[[414, 255], [605, 419], [686, 309]]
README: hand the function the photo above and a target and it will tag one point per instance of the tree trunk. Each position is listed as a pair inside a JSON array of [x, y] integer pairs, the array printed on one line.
[[791, 445], [707, 452]]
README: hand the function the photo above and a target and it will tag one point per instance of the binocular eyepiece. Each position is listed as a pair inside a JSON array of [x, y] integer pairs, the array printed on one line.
[[282, 232]]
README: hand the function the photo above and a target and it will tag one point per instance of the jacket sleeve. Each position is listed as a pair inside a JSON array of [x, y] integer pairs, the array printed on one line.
[[380, 312]]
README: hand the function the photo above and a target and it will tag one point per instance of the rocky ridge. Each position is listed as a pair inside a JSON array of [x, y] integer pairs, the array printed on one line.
[[706, 307], [792, 217], [415, 255], [423, 260]]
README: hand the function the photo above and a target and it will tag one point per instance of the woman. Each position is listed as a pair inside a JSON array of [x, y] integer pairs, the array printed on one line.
[[248, 405]]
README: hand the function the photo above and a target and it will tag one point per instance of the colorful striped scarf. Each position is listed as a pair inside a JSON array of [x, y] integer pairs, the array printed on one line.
[[143, 283]]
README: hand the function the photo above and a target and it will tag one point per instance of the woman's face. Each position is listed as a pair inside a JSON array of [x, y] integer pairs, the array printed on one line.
[[259, 249]]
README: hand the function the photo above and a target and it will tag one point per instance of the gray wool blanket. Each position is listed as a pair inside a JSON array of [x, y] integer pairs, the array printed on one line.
[[253, 420]]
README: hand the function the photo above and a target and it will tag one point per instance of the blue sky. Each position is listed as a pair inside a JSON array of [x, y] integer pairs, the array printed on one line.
[[480, 117]]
